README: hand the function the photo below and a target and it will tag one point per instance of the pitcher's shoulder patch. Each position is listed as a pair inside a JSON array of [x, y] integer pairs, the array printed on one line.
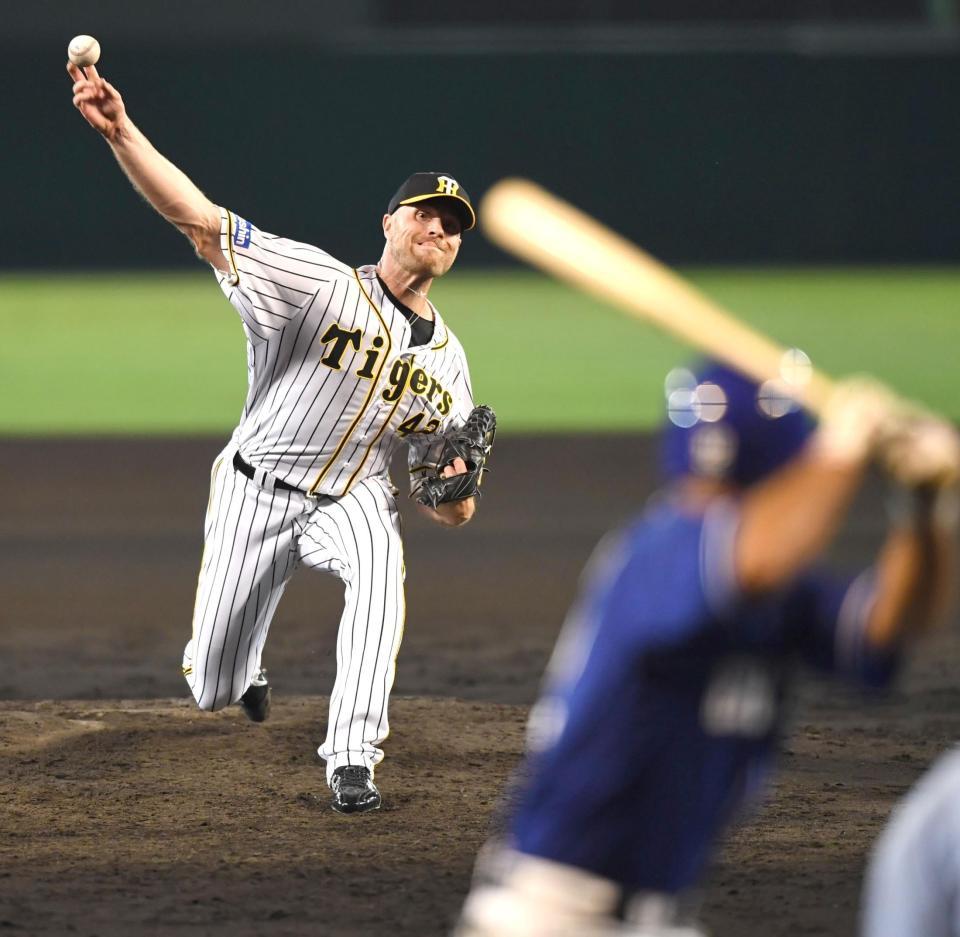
[[241, 235]]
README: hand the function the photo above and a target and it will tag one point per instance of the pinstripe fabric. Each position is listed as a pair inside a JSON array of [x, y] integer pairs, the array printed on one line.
[[312, 424], [334, 389], [255, 540], [358, 538], [249, 556]]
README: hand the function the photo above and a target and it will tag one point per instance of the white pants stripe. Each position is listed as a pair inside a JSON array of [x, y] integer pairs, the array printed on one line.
[[255, 538]]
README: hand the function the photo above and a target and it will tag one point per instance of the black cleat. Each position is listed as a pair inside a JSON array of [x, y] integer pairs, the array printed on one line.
[[256, 701], [354, 790]]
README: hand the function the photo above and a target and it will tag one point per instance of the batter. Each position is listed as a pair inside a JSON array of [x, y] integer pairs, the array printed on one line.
[[344, 365], [665, 698]]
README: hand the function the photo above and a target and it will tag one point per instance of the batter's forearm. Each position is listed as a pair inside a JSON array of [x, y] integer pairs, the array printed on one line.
[[170, 192], [914, 581], [791, 516], [788, 520]]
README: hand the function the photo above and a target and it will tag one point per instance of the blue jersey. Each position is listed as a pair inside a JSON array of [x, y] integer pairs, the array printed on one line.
[[664, 698]]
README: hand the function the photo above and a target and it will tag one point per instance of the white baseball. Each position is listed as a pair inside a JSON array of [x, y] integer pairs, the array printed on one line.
[[83, 50]]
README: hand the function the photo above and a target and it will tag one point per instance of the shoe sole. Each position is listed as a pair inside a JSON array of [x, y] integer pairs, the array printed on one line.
[[349, 810]]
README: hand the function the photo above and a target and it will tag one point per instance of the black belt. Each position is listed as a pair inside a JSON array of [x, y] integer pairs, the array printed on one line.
[[245, 468]]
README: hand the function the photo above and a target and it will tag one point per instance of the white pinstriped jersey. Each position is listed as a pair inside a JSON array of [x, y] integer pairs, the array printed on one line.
[[333, 384]]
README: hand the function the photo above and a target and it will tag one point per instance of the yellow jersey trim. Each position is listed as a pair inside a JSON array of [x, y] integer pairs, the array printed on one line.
[[232, 259], [370, 394], [373, 442]]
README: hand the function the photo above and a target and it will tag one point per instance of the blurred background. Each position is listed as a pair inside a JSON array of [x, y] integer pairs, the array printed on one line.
[[711, 131]]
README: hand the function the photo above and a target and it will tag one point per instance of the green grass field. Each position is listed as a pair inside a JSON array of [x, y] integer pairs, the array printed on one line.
[[149, 353]]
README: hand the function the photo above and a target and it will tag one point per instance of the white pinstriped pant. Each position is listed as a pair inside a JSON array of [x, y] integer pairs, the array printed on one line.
[[254, 540]]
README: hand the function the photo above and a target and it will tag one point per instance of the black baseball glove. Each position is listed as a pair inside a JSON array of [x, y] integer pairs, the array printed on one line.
[[472, 443]]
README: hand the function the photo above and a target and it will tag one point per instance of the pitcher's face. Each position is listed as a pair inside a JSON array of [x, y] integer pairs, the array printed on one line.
[[423, 238]]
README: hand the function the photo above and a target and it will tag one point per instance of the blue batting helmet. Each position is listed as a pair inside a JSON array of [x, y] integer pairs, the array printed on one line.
[[722, 425]]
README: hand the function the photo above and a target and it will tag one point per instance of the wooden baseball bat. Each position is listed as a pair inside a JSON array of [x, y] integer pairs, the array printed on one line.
[[526, 220]]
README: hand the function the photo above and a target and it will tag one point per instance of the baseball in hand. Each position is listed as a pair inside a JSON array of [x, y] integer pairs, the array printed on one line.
[[83, 50]]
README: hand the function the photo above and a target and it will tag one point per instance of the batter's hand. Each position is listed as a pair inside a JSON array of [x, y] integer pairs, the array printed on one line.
[[924, 451], [98, 101], [855, 420]]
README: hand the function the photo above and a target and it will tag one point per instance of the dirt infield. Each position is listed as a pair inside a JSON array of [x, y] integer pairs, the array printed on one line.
[[128, 812]]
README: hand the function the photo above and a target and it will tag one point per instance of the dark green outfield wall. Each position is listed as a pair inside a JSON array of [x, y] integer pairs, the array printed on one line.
[[700, 157]]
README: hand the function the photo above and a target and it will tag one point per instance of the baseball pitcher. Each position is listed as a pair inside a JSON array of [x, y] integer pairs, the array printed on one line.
[[344, 365]]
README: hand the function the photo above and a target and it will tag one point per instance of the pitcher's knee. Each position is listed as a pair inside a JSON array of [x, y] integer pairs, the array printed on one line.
[[210, 692]]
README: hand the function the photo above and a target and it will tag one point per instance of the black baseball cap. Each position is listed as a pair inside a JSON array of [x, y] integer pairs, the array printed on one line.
[[425, 185]]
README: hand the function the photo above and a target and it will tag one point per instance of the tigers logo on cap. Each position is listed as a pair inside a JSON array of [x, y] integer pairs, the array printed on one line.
[[422, 186]]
